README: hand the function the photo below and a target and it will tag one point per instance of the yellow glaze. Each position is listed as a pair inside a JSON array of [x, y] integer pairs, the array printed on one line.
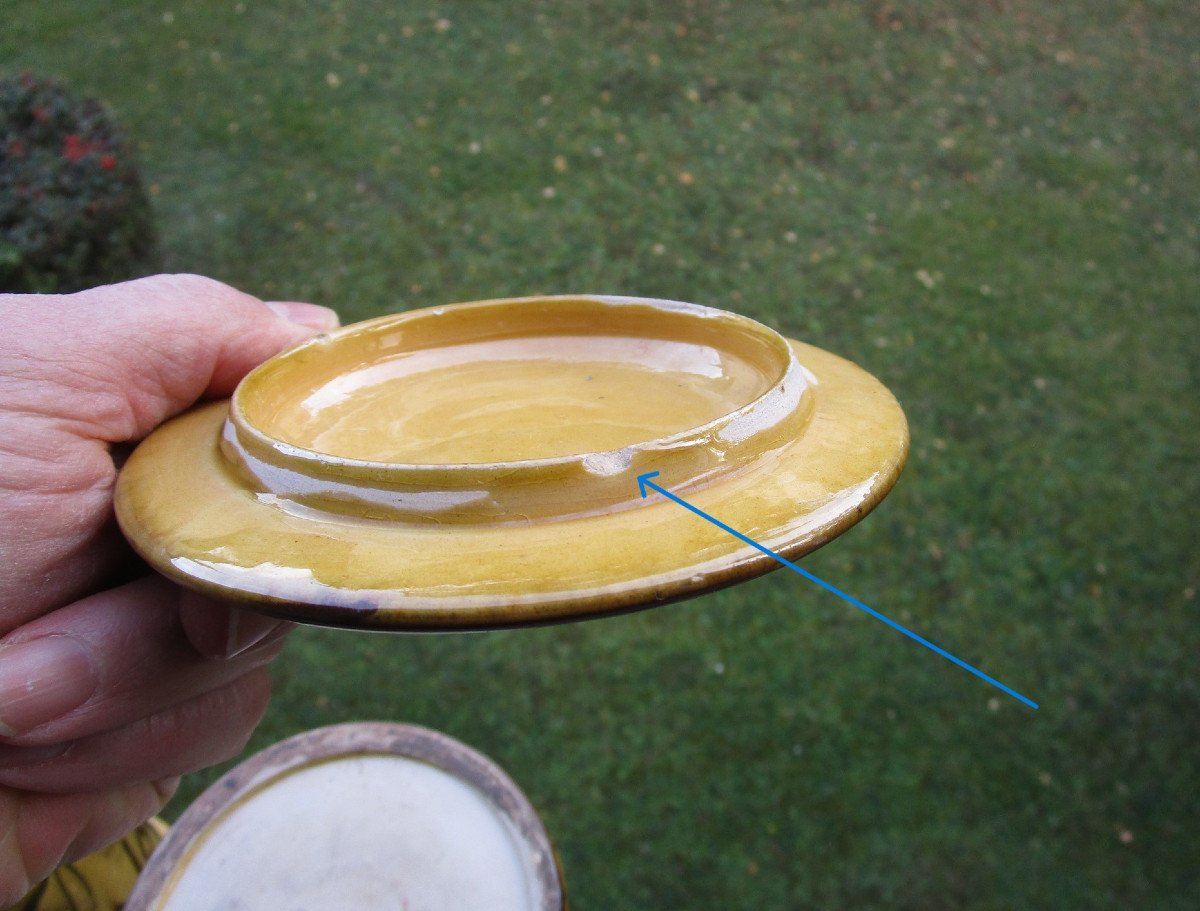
[[510, 399], [476, 465]]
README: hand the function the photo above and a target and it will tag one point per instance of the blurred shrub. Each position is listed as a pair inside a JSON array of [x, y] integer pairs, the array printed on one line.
[[73, 213]]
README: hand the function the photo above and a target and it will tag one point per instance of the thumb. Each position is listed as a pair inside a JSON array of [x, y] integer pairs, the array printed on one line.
[[126, 357]]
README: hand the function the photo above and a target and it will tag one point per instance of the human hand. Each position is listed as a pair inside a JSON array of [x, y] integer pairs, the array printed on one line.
[[109, 688]]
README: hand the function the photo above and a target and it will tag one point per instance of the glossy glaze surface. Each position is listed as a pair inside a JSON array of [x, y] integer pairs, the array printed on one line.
[[457, 468], [510, 399]]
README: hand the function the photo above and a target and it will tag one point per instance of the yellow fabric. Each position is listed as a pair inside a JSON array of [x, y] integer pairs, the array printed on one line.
[[100, 881]]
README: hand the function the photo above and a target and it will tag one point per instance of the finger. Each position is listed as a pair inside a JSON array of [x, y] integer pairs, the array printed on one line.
[[113, 561], [218, 630], [314, 316], [110, 659], [196, 734], [81, 371], [123, 358], [39, 832]]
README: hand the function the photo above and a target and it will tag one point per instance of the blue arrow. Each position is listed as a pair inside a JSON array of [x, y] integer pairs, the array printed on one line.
[[644, 482]]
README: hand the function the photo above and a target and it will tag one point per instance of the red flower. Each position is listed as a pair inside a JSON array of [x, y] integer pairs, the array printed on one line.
[[40, 114], [74, 148], [16, 149], [108, 162]]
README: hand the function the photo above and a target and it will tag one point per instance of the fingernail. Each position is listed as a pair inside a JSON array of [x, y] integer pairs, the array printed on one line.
[[246, 630], [311, 316], [42, 680]]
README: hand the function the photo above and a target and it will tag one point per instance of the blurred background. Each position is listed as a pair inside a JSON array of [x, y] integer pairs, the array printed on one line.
[[992, 206]]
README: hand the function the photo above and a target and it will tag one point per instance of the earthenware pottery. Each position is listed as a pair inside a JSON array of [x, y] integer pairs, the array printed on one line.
[[477, 465], [357, 816]]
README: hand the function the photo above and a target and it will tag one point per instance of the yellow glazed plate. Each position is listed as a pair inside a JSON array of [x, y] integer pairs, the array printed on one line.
[[476, 465]]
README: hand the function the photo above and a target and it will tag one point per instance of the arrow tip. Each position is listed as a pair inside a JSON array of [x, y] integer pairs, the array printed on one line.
[[643, 479]]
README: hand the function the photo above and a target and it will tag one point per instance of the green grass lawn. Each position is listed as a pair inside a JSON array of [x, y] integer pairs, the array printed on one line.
[[994, 207]]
